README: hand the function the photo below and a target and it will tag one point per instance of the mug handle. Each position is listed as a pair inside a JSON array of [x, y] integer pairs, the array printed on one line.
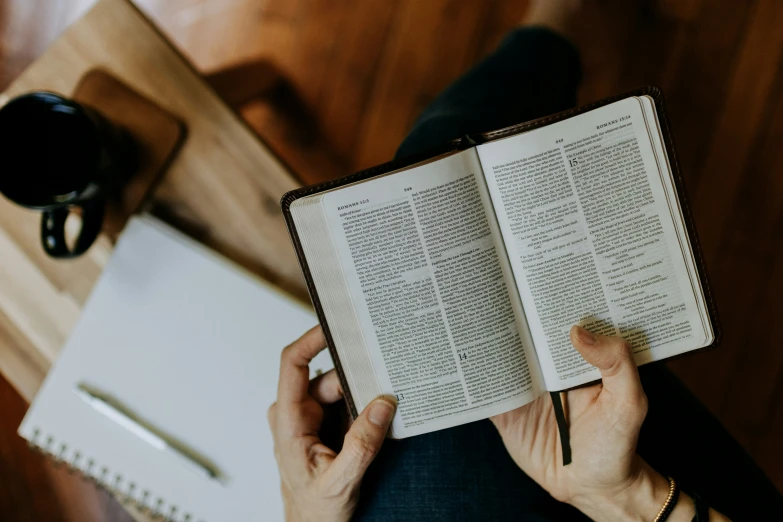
[[53, 228]]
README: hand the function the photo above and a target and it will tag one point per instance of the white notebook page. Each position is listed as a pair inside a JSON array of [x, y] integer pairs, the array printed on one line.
[[190, 343]]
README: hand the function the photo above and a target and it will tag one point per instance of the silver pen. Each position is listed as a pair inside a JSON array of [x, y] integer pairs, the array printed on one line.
[[109, 408]]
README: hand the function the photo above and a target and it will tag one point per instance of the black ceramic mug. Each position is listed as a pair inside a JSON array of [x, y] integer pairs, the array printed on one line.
[[59, 157]]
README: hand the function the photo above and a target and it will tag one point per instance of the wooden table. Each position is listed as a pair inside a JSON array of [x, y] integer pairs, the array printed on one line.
[[223, 188]]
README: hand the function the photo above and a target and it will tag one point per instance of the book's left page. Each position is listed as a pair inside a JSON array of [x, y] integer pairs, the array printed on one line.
[[415, 284]]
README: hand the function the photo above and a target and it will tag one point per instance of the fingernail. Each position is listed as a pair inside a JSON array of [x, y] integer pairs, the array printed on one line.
[[381, 412], [585, 336]]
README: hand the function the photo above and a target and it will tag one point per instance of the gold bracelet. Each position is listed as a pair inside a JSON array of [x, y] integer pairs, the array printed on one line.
[[671, 501]]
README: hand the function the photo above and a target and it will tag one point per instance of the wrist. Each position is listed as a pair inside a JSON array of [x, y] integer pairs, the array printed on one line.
[[640, 500]]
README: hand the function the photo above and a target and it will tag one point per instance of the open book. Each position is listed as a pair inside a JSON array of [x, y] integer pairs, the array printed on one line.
[[452, 283]]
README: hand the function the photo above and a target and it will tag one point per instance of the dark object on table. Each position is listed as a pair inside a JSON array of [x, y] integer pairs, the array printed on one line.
[[157, 132], [62, 157]]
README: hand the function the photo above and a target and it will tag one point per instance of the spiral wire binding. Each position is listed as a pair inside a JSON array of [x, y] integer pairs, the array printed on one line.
[[89, 471]]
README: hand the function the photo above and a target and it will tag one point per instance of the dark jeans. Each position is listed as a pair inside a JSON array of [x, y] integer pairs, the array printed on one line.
[[464, 473]]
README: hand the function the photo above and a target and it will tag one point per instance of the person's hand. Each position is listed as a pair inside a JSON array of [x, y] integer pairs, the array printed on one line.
[[316, 482], [607, 480]]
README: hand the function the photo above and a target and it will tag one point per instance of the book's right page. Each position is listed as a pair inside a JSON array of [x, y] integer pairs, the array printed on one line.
[[592, 227]]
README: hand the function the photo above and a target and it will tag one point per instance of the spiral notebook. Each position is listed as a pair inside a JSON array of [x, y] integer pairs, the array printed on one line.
[[189, 342]]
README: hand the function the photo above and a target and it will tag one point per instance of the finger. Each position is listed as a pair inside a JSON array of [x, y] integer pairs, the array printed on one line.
[[612, 356], [294, 370], [271, 417], [363, 441], [326, 388]]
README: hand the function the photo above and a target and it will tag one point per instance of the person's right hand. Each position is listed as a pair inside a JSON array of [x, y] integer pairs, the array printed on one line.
[[607, 479]]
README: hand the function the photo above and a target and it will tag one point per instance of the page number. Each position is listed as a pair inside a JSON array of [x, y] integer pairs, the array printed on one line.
[[560, 140], [408, 189]]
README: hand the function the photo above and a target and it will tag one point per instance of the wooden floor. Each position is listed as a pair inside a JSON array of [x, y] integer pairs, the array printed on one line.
[[365, 68]]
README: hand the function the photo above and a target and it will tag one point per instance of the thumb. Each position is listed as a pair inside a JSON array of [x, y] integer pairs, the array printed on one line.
[[612, 356], [363, 440]]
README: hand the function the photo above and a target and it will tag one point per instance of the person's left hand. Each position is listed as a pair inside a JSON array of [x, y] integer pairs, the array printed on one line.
[[316, 482]]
